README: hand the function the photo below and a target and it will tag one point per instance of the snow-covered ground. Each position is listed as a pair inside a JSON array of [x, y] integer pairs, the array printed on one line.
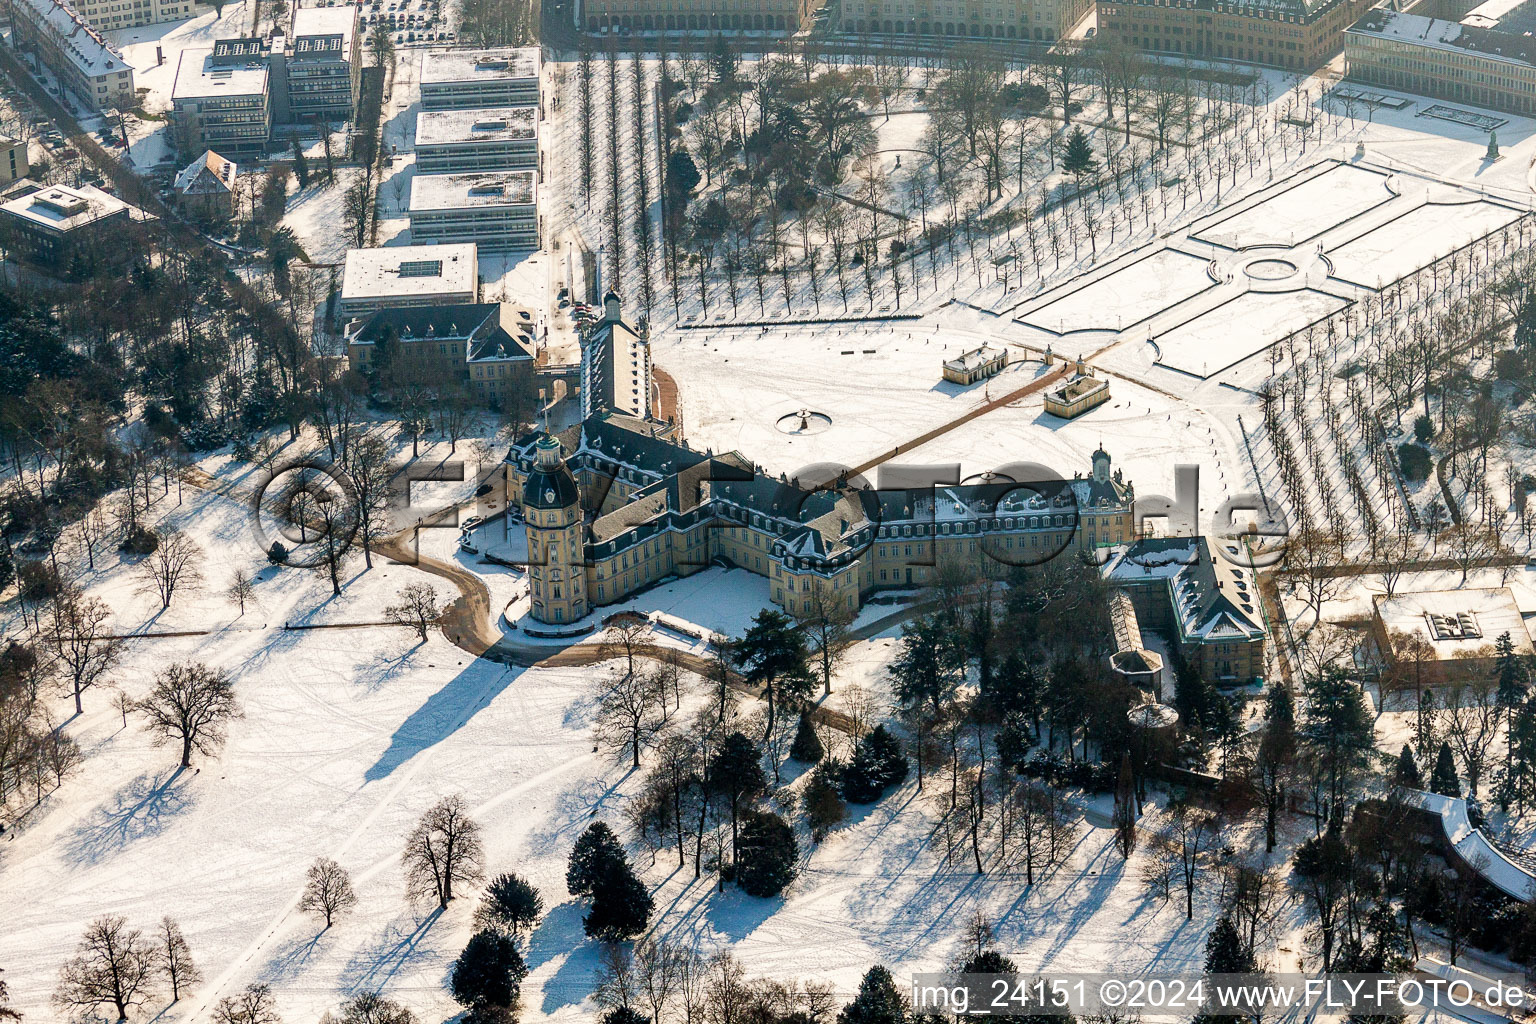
[[1303, 211]]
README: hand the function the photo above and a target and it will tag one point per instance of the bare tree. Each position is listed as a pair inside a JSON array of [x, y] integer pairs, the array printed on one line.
[[113, 965], [252, 1005], [827, 633], [175, 958], [241, 588], [368, 470], [193, 704], [373, 1008], [327, 890], [629, 713], [416, 610], [627, 634], [1190, 834], [80, 636], [172, 566], [443, 849]]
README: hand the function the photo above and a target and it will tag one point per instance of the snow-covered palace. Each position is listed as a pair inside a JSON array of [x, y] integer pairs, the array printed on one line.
[[612, 506]]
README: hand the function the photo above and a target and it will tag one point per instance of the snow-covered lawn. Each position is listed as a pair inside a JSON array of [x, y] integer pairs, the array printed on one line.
[[1237, 329], [1126, 296], [1415, 240], [1303, 211]]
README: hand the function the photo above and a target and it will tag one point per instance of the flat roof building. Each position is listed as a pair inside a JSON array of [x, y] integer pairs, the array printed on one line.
[[63, 224], [319, 70], [219, 98], [77, 54], [408, 275], [494, 209], [1477, 60], [1453, 630], [466, 79], [482, 139]]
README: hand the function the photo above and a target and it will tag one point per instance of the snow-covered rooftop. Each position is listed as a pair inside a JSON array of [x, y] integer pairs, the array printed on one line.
[[198, 77], [511, 63], [64, 208], [489, 124], [82, 44], [1473, 36], [409, 270], [1457, 623], [471, 190], [312, 22]]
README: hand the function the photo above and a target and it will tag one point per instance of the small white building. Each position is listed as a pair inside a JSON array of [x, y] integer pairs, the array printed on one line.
[[395, 277], [483, 139], [468, 79], [494, 209], [206, 187]]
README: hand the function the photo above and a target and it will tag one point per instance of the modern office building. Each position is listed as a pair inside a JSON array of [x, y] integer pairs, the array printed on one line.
[[486, 139], [472, 79], [76, 53], [1481, 60], [1298, 35], [494, 209], [233, 97], [698, 15], [220, 99], [67, 227], [408, 275], [317, 73], [1037, 20]]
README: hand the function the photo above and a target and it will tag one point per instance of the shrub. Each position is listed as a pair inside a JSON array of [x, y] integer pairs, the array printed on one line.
[[1414, 460], [766, 853], [139, 540], [807, 747], [820, 802], [877, 764], [1509, 364], [277, 554]]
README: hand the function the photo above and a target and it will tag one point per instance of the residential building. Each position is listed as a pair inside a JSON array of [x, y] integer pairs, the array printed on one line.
[[109, 15], [1298, 35], [1447, 635], [220, 98], [1035, 20], [1208, 610], [473, 79], [67, 227], [408, 275], [977, 364], [482, 139], [318, 74], [1080, 392], [615, 365], [441, 344], [206, 188], [698, 15], [14, 164], [494, 209], [613, 506], [76, 53], [1479, 60]]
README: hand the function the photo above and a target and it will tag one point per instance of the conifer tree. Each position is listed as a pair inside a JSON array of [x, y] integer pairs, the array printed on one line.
[[1443, 779], [1407, 771]]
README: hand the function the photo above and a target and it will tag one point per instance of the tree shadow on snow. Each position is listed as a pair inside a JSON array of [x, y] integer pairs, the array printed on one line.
[[290, 960], [442, 714], [138, 810], [402, 943]]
